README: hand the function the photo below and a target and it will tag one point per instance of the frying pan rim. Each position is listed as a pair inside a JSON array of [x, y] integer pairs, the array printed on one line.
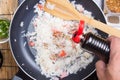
[[106, 23], [101, 12], [11, 44]]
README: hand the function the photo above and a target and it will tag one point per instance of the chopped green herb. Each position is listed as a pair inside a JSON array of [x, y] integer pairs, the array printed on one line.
[[4, 28]]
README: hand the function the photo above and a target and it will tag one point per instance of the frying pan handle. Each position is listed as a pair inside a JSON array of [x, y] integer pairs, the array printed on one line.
[[17, 78], [20, 75], [1, 59]]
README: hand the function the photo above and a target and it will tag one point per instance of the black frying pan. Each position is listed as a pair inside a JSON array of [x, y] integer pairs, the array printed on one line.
[[25, 57]]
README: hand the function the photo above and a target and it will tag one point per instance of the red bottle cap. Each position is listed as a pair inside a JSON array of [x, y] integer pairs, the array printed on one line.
[[78, 33]]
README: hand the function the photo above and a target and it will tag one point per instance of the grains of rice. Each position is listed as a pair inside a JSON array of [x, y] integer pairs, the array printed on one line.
[[21, 24], [50, 6], [53, 35]]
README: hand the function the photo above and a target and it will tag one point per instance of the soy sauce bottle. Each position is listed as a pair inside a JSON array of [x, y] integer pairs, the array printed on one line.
[[96, 45]]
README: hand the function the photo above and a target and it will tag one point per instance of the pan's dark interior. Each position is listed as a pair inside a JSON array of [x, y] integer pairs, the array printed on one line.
[[23, 54]]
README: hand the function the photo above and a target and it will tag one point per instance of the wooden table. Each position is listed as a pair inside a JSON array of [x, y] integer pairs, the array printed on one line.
[[9, 68]]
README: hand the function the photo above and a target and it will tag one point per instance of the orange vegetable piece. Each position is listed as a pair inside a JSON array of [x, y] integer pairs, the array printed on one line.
[[62, 54], [31, 43], [40, 6]]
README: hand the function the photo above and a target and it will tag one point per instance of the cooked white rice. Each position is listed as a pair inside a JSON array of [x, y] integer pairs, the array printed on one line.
[[53, 35]]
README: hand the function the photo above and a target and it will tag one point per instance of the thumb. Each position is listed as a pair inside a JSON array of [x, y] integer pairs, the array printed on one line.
[[100, 68]]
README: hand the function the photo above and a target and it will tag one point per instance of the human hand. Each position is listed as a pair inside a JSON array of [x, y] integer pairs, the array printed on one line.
[[110, 71]]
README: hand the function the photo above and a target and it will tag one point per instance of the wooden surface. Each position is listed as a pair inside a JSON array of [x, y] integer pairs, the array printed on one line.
[[9, 67], [8, 6]]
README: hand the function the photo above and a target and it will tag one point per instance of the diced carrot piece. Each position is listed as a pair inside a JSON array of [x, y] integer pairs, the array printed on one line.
[[31, 43], [62, 54], [40, 6]]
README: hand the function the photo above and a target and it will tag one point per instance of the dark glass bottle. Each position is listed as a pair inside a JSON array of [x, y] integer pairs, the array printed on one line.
[[96, 45]]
